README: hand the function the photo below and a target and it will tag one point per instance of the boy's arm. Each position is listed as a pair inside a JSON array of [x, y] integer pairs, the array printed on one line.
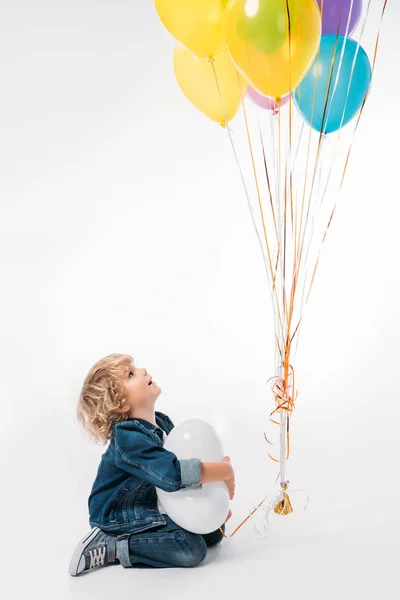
[[215, 471], [138, 455]]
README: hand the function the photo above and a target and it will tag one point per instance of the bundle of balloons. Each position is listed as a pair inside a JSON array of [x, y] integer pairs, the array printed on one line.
[[270, 49], [200, 510]]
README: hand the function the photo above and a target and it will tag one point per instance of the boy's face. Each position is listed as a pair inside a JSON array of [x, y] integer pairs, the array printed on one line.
[[137, 391]]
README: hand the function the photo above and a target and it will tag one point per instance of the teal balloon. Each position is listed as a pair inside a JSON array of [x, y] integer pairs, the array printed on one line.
[[326, 116]]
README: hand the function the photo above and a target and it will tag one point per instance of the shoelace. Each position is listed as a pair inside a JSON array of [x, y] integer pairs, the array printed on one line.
[[97, 556]]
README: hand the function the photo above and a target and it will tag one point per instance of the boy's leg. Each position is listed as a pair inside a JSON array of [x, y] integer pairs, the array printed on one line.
[[214, 537], [164, 546]]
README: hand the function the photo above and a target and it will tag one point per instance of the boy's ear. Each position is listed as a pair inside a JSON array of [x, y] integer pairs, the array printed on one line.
[[123, 408]]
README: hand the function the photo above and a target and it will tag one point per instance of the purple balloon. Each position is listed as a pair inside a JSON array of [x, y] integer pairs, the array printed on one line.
[[336, 13], [265, 101]]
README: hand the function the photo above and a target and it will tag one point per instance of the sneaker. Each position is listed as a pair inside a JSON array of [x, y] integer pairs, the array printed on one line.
[[96, 549]]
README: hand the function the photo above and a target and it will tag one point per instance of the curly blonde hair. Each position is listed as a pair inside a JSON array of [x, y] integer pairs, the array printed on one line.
[[101, 396]]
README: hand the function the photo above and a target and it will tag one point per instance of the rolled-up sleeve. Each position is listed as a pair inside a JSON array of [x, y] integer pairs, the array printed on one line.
[[139, 455], [191, 472]]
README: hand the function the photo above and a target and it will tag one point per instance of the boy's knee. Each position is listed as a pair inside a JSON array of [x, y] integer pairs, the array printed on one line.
[[195, 550]]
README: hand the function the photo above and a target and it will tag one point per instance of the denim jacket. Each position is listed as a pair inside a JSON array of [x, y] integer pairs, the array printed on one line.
[[123, 497]]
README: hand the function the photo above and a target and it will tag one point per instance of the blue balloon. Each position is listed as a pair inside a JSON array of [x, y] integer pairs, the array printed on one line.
[[326, 116]]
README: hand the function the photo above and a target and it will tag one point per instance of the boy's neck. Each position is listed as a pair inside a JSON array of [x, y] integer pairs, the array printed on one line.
[[143, 413]]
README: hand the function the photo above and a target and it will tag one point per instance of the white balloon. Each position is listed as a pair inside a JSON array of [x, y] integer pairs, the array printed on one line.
[[202, 510]]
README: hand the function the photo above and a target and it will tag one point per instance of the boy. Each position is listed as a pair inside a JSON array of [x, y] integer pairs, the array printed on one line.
[[129, 524]]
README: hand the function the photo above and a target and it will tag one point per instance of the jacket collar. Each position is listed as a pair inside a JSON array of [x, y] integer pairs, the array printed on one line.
[[159, 419]]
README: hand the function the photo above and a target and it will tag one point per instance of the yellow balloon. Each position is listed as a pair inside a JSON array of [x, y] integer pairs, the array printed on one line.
[[273, 42], [198, 81], [197, 24]]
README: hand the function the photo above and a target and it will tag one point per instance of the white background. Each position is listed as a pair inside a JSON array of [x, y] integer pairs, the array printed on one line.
[[124, 228]]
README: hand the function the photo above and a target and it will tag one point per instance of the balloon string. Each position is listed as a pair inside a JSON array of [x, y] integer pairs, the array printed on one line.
[[272, 269], [286, 402], [279, 499], [258, 190], [349, 151], [366, 95], [322, 136], [298, 233], [244, 521], [340, 129], [267, 266], [347, 96], [270, 194], [279, 385], [319, 204], [308, 148], [273, 214], [318, 162], [277, 311], [271, 273], [247, 196]]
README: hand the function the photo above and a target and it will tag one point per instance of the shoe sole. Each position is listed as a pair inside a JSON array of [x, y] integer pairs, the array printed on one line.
[[77, 555]]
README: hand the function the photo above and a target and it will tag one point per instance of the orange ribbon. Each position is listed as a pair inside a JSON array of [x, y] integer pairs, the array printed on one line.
[[283, 401]]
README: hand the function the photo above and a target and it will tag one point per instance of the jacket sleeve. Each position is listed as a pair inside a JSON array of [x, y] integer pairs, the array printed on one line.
[[139, 455]]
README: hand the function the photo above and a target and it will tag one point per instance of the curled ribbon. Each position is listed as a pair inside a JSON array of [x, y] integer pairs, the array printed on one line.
[[283, 401], [280, 503], [278, 499]]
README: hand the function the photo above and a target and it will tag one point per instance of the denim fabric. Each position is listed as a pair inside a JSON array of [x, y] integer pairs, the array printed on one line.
[[123, 498], [166, 546]]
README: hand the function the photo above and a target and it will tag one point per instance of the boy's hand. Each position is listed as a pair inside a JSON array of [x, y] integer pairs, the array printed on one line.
[[230, 481]]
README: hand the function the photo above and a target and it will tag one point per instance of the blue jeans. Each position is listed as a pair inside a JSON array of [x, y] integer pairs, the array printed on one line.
[[166, 546]]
